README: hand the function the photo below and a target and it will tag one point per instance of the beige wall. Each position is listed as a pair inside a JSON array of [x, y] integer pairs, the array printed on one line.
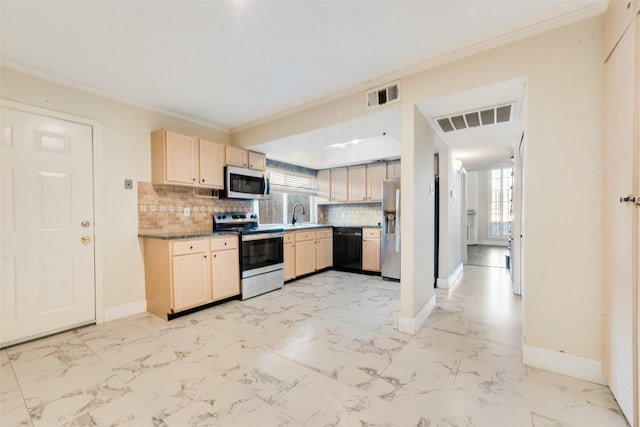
[[124, 152], [562, 232]]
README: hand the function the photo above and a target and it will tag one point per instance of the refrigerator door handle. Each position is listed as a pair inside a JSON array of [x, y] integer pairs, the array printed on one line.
[[398, 231]]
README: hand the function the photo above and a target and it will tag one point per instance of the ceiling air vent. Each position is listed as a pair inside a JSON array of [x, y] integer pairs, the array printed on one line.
[[383, 95], [472, 119]]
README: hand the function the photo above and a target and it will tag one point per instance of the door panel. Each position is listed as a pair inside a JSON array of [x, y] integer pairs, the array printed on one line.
[[619, 229], [47, 255]]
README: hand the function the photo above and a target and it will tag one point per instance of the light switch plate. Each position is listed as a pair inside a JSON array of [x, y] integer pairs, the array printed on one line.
[[128, 184]]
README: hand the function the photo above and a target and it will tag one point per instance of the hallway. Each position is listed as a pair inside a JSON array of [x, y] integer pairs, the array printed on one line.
[[322, 351], [487, 255]]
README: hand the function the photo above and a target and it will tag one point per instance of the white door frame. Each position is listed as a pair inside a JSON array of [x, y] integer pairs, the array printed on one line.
[[97, 199]]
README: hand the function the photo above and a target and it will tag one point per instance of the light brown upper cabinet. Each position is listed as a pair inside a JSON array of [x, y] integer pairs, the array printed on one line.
[[257, 161], [339, 179], [376, 173], [324, 185], [185, 160], [211, 164], [393, 169], [358, 183], [245, 159], [237, 157]]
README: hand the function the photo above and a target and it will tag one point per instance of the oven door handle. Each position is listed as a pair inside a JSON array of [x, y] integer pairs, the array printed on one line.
[[261, 236]]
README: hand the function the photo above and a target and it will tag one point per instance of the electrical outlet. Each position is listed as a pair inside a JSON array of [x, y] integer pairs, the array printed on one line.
[[128, 184], [187, 212]]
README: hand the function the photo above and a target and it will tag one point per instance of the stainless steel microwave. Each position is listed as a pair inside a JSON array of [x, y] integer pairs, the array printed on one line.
[[242, 183]]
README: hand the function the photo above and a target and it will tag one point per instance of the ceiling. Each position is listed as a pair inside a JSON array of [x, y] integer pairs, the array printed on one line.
[[228, 64]]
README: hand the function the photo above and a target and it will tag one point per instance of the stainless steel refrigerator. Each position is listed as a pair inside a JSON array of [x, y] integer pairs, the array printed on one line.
[[391, 229]]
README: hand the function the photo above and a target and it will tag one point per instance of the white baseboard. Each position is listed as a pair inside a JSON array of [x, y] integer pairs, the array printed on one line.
[[125, 310], [449, 281], [563, 363], [410, 325]]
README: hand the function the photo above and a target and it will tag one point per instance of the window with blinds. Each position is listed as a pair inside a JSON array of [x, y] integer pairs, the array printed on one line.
[[291, 182]]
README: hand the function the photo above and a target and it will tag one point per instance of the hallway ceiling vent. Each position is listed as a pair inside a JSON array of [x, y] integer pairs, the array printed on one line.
[[472, 119], [383, 95]]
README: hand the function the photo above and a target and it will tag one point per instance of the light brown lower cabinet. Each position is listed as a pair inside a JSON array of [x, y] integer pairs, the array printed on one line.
[[324, 248], [305, 252], [289, 255], [371, 249], [184, 274], [225, 267]]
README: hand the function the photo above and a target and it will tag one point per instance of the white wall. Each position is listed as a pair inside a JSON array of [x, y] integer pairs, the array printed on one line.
[[450, 245], [124, 152], [563, 69], [416, 204]]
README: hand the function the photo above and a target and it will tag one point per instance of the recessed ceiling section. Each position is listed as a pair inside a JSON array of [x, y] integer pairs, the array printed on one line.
[[484, 117], [369, 138]]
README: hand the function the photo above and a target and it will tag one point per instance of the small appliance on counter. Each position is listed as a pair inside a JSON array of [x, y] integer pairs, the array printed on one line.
[[261, 252]]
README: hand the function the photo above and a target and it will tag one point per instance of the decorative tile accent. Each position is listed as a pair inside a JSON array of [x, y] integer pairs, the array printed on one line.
[[161, 209], [350, 214]]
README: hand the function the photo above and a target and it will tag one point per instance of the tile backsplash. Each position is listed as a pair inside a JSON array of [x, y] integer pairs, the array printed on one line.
[[161, 209], [350, 214]]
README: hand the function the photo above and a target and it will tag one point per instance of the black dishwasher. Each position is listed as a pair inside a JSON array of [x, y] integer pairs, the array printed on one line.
[[347, 248]]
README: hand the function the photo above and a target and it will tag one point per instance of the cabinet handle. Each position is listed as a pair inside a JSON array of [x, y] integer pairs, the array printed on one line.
[[225, 243], [205, 256], [194, 180], [202, 179], [190, 247], [214, 255], [250, 166]]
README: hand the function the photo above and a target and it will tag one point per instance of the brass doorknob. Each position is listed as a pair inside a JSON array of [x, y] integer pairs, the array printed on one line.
[[85, 240]]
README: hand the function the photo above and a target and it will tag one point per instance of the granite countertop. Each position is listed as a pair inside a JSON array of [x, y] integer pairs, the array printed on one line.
[[285, 227], [191, 235]]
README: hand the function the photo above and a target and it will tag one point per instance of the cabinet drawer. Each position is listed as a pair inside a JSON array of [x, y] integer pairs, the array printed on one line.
[[289, 237], [371, 232], [324, 233], [184, 247], [222, 243], [302, 236]]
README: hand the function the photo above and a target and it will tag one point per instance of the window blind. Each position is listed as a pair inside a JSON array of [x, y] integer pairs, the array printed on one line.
[[292, 182]]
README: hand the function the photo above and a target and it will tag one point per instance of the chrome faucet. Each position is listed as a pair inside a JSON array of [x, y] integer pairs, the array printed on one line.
[[293, 216]]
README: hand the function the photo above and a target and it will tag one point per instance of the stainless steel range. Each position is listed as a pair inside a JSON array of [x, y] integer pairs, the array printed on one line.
[[261, 252]]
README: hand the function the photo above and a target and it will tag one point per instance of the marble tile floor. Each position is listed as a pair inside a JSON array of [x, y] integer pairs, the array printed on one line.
[[324, 351], [487, 255]]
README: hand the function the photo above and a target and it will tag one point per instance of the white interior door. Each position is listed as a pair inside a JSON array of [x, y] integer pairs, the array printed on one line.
[[46, 242], [619, 227]]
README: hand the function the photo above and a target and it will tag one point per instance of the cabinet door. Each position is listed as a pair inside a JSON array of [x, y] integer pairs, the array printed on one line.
[[324, 253], [257, 161], [289, 261], [236, 157], [305, 257], [191, 281], [371, 254], [225, 271], [393, 169], [324, 184], [357, 183], [376, 173], [339, 179], [180, 159], [211, 164]]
